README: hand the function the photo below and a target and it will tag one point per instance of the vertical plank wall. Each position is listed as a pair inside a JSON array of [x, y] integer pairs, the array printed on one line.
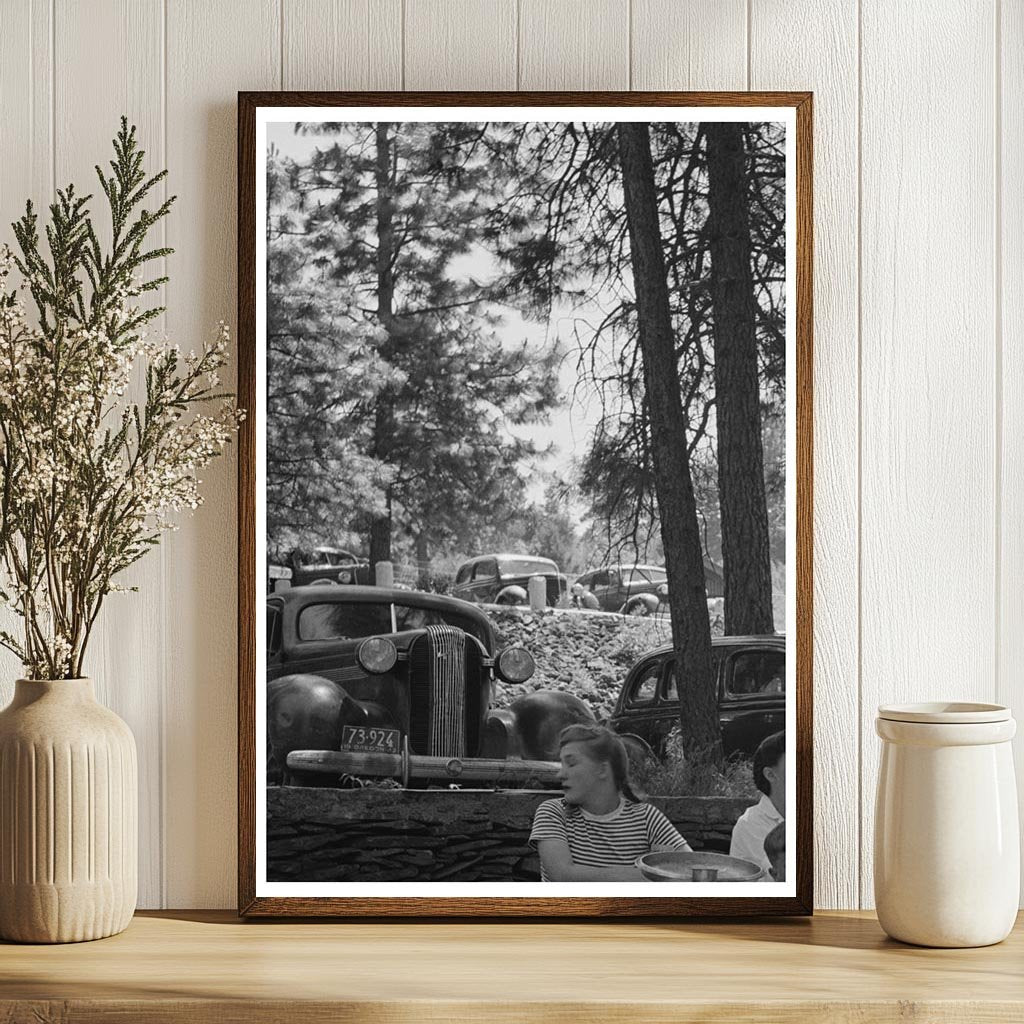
[[928, 511], [831, 65], [128, 665], [26, 129], [1009, 260], [213, 50], [919, 353]]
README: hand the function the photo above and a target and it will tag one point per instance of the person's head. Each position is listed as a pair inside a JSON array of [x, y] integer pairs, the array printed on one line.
[[775, 851], [770, 769], [595, 765]]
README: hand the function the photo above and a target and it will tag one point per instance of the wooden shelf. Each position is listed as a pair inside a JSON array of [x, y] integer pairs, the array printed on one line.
[[208, 966]]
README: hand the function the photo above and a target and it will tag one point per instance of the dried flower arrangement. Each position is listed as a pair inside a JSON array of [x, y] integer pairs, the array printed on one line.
[[89, 477]]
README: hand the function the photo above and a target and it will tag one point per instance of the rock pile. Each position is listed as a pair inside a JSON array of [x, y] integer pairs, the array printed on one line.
[[584, 653]]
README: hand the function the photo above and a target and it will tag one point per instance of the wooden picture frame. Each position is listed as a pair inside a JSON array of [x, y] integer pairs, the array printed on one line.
[[258, 897]]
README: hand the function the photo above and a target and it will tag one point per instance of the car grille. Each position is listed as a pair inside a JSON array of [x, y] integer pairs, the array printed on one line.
[[554, 592], [445, 693]]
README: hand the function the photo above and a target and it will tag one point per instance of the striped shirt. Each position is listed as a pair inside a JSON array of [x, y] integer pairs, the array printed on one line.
[[605, 840]]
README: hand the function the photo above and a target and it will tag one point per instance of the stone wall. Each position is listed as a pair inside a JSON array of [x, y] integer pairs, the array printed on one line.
[[381, 835]]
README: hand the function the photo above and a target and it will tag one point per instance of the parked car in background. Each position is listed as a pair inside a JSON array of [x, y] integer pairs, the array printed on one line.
[[505, 579], [279, 577], [323, 565], [750, 683], [374, 681], [629, 589]]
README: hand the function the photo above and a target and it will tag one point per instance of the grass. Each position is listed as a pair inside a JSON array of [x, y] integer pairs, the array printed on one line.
[[675, 776]]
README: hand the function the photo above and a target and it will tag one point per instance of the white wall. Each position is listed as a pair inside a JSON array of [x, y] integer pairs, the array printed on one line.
[[919, 305]]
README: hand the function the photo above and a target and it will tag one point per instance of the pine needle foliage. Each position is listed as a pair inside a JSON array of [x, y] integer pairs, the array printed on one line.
[[90, 470]]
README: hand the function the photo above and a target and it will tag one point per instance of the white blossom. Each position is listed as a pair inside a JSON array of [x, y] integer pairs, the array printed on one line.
[[95, 462]]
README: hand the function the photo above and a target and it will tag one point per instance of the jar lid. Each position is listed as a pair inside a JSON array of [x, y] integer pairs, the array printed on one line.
[[945, 713]]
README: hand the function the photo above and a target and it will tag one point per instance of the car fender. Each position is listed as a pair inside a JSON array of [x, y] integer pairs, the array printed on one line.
[[641, 604], [637, 748], [584, 598], [541, 716], [500, 736], [511, 595], [306, 712]]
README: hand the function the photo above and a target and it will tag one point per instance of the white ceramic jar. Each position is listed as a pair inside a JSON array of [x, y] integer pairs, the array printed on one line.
[[947, 846]]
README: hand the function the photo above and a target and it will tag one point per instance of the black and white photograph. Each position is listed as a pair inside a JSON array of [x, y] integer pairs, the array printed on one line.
[[525, 502]]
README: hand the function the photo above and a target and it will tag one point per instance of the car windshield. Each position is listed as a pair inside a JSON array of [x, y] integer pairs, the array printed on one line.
[[654, 575], [671, 687], [345, 621], [526, 566], [323, 557], [758, 672], [407, 617]]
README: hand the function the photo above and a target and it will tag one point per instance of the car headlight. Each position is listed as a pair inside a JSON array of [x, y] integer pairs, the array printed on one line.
[[663, 591], [344, 576], [515, 665], [377, 655]]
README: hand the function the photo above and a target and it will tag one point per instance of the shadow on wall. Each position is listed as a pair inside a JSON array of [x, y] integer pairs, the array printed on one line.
[[201, 559]]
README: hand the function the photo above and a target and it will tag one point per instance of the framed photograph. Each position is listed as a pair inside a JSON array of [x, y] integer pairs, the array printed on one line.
[[525, 504]]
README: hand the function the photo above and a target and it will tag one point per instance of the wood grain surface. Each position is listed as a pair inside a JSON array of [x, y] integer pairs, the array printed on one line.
[[330, 43], [477, 37], [701, 44], [574, 44], [202, 967]]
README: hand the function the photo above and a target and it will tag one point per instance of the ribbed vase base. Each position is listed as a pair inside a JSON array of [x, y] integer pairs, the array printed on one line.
[[72, 913], [68, 815]]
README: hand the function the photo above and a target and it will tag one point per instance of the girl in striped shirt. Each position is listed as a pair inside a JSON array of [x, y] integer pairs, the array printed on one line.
[[596, 831]]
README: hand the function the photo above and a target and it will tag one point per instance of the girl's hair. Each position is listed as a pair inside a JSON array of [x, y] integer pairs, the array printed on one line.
[[775, 842], [775, 851], [767, 755], [604, 746]]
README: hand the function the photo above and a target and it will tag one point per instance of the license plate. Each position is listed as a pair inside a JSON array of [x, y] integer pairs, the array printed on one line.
[[377, 740]]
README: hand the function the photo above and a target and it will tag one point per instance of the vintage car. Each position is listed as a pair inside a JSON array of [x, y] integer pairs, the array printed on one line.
[[505, 579], [373, 682], [323, 565], [751, 688], [629, 589]]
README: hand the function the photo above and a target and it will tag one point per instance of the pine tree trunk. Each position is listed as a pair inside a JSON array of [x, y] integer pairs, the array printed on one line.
[[746, 557], [677, 508], [380, 540], [423, 560], [383, 424]]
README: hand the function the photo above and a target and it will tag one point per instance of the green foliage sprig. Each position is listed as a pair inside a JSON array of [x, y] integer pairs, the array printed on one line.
[[89, 478]]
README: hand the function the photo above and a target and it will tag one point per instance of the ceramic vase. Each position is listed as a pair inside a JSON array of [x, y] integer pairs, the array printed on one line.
[[947, 846], [68, 815]]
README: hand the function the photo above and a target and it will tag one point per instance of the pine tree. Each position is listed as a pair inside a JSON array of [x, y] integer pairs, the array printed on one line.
[[741, 483], [691, 636], [398, 221], [322, 369]]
